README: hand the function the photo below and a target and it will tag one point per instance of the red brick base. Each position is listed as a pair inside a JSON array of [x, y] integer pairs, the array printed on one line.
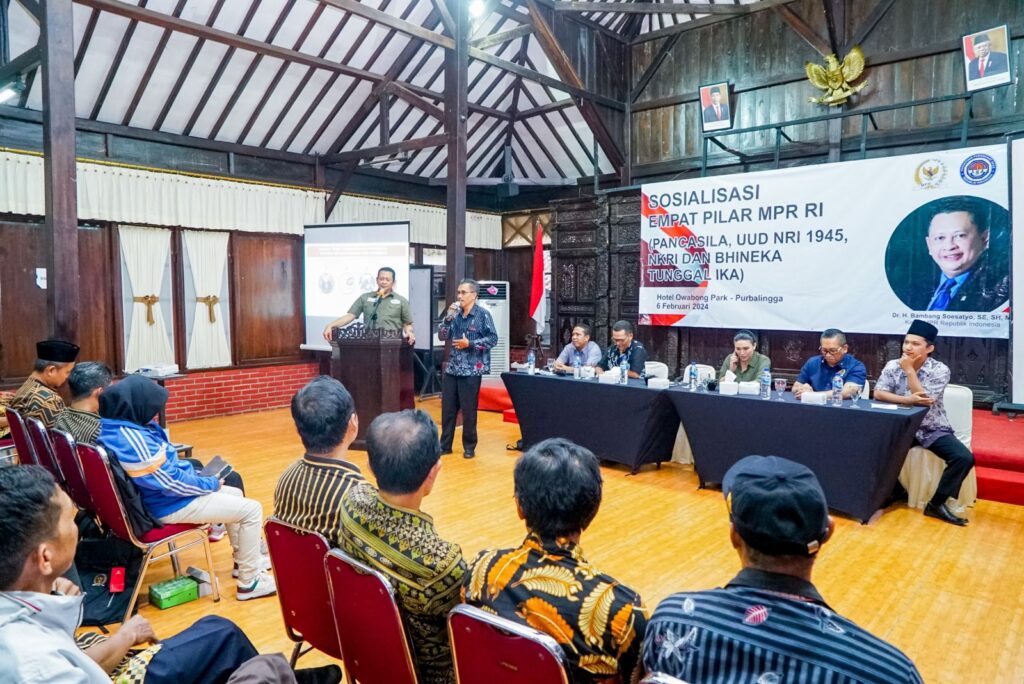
[[241, 390]]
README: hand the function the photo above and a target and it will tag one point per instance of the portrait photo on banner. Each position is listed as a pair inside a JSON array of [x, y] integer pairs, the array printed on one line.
[[987, 58], [716, 115], [952, 254]]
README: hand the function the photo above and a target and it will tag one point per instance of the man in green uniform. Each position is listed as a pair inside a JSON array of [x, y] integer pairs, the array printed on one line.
[[385, 309], [37, 397]]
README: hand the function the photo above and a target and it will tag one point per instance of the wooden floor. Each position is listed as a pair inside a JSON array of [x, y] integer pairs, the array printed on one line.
[[951, 598]]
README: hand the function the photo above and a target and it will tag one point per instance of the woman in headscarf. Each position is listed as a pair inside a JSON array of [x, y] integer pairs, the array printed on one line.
[[171, 489]]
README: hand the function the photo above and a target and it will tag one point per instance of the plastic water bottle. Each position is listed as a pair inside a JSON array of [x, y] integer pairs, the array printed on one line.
[[531, 362], [623, 371], [693, 376], [766, 384], [576, 370], [837, 390]]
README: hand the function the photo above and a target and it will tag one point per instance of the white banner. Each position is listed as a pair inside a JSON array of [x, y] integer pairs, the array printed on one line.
[[865, 246], [1017, 350]]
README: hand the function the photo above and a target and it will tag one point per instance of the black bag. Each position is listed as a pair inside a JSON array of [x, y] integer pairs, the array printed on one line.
[[97, 554], [139, 517]]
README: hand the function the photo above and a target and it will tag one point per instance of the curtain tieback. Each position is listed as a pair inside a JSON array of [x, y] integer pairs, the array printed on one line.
[[210, 301], [149, 301]]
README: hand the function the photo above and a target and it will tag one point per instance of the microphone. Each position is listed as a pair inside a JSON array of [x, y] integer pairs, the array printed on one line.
[[452, 310]]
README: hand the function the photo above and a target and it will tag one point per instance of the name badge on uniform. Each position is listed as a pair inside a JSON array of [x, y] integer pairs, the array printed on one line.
[[395, 302]]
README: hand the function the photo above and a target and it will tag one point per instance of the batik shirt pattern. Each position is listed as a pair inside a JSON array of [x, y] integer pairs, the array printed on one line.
[[934, 376], [550, 586], [35, 400]]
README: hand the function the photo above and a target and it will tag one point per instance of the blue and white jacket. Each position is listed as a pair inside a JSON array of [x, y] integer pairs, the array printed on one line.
[[166, 483]]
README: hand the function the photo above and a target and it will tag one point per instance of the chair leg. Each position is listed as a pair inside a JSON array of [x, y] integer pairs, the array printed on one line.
[[175, 565], [215, 585], [138, 584], [295, 655]]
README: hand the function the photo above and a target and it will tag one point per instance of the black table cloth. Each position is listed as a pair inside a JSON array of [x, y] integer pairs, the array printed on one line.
[[856, 453], [630, 424]]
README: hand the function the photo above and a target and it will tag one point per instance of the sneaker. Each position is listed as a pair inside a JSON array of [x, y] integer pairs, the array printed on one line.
[[261, 566], [263, 585], [217, 532]]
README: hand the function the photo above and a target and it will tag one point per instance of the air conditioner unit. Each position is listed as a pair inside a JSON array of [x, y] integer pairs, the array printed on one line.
[[494, 297]]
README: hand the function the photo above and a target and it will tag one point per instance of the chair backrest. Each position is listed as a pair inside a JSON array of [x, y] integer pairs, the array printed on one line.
[[959, 403], [103, 492], [298, 559], [491, 649], [660, 678], [865, 392], [64, 450], [656, 369], [369, 625], [43, 447], [705, 372], [22, 441]]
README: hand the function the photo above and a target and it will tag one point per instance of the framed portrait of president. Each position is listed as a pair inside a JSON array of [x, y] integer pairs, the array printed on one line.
[[987, 58], [715, 112]]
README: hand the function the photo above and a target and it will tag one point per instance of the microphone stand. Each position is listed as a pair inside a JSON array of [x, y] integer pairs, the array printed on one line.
[[373, 316]]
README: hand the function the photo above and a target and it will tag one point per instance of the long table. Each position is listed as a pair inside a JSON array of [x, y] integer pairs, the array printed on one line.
[[856, 453], [630, 424]]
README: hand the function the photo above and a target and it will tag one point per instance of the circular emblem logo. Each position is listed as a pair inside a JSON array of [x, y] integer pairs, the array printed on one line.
[[978, 169], [755, 615], [930, 173]]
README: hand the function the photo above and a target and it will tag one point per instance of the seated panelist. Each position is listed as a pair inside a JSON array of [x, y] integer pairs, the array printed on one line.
[[624, 347], [816, 375], [745, 363], [581, 349]]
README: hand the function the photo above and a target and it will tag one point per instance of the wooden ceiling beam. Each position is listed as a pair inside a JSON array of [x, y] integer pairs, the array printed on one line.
[[411, 145], [649, 8], [391, 21], [706, 21], [804, 30], [520, 31]]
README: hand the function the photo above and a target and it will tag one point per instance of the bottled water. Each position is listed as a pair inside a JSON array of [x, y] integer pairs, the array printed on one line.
[[623, 371], [576, 370], [766, 384], [693, 376], [837, 390], [531, 362]]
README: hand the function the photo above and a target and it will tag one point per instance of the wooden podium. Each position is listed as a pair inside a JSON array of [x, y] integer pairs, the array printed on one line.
[[376, 367]]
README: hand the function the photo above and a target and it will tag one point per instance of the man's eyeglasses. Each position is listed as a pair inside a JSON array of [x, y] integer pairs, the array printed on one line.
[[830, 352]]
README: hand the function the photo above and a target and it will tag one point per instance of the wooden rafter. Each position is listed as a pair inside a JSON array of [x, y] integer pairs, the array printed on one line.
[[666, 47], [23, 63], [803, 29], [387, 149], [649, 8], [759, 6], [151, 67], [868, 24], [520, 31], [115, 64]]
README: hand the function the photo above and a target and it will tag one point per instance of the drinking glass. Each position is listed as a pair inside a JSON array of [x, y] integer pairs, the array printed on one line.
[[855, 397], [780, 386], [551, 365]]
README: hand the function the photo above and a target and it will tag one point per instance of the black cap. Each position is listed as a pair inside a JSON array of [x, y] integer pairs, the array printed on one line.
[[981, 38], [776, 505], [57, 351], [923, 329]]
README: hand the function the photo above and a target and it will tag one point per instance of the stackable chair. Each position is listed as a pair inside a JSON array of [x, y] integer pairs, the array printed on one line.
[[43, 448], [297, 556], [107, 504], [491, 649], [656, 369], [22, 442], [66, 453], [922, 470], [373, 640]]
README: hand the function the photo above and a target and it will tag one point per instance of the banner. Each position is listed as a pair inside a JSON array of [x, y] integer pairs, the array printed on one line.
[[1017, 350], [864, 246]]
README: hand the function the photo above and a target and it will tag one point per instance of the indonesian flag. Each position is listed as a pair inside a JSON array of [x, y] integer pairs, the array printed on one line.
[[538, 302]]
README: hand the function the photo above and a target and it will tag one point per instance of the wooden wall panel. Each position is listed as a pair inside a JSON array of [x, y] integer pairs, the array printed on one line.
[[517, 269], [267, 295]]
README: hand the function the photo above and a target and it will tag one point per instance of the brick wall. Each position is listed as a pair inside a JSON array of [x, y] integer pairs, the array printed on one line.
[[202, 394]]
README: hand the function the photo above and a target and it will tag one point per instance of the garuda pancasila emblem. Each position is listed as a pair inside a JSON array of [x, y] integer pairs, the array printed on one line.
[[835, 78]]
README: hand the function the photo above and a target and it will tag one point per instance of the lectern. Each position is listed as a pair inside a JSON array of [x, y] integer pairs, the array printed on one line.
[[376, 366]]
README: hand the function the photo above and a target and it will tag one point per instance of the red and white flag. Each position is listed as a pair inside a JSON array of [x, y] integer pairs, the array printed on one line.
[[538, 300]]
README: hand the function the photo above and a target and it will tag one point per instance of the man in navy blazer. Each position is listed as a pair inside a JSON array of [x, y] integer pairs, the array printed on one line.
[[986, 62]]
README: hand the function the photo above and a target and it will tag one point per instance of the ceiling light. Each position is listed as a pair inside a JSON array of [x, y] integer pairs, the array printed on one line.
[[477, 8]]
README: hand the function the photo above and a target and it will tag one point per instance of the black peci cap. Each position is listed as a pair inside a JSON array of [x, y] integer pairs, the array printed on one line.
[[923, 329], [57, 351]]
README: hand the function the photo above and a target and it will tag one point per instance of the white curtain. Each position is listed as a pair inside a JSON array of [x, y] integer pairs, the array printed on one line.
[[427, 225], [145, 252], [208, 342]]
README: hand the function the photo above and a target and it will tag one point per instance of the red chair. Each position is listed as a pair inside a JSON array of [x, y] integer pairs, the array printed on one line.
[[368, 622], [107, 504], [297, 556], [22, 442], [66, 454], [44, 448], [488, 648]]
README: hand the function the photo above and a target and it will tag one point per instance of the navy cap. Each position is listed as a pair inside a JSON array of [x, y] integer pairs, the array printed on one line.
[[57, 351], [776, 505]]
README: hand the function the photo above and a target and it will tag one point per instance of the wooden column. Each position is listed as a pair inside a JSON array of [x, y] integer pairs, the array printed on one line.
[[456, 106], [61, 226]]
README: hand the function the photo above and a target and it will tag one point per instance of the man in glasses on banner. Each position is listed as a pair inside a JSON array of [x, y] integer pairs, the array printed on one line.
[[817, 374]]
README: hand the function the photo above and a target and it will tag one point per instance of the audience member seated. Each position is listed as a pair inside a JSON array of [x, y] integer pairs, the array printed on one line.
[[547, 582], [40, 610], [769, 624], [816, 375], [310, 491], [37, 397], [386, 529], [916, 379], [171, 489], [624, 347], [581, 350], [81, 420], [5, 400], [745, 364]]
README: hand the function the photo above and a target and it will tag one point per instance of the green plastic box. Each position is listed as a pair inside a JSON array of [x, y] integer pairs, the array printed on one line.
[[173, 592]]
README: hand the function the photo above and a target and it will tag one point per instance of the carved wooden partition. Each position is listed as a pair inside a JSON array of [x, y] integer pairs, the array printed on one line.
[[596, 280]]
